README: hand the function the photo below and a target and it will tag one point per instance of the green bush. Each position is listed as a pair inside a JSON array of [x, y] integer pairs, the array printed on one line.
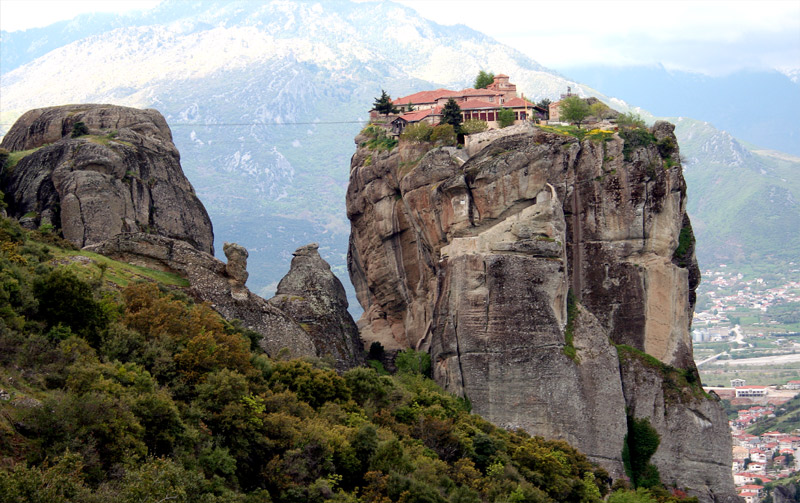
[[505, 117], [418, 132], [444, 134], [641, 443], [635, 138], [65, 299], [413, 362], [79, 129], [472, 126], [630, 120]]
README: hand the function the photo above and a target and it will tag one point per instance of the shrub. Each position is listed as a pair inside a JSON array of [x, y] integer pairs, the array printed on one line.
[[413, 362], [472, 126], [66, 299], [640, 444], [79, 129], [635, 138], [444, 134], [419, 132], [505, 117], [630, 120]]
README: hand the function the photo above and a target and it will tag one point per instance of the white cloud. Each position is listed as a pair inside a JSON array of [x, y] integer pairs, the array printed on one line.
[[702, 36]]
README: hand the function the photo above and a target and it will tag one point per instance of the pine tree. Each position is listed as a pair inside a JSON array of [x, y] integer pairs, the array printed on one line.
[[451, 114], [384, 104]]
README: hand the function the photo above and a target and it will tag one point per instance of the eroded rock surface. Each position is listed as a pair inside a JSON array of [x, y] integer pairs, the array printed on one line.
[[124, 176], [314, 298], [474, 260], [210, 282]]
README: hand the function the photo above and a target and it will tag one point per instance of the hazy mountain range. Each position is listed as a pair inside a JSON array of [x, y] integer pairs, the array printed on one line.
[[264, 100]]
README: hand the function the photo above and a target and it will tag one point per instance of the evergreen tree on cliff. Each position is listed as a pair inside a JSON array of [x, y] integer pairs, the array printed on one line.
[[384, 104], [483, 79], [451, 114]]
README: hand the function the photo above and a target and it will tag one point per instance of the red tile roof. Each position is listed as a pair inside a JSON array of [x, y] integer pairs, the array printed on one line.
[[425, 96], [477, 104], [477, 92], [517, 102], [417, 115]]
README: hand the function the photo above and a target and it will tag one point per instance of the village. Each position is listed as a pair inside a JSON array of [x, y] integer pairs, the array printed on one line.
[[759, 459], [757, 304]]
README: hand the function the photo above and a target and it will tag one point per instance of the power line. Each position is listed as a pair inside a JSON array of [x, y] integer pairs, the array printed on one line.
[[197, 124], [265, 123]]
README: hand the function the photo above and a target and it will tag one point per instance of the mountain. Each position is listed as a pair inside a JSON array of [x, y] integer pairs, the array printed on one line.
[[760, 107], [264, 98]]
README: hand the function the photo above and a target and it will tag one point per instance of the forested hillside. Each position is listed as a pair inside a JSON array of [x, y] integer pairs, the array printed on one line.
[[116, 386]]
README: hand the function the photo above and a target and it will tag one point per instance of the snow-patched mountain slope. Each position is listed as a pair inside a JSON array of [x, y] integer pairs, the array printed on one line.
[[264, 98]]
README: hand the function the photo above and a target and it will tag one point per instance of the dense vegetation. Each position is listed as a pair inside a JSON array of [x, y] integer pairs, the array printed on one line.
[[786, 420], [138, 393]]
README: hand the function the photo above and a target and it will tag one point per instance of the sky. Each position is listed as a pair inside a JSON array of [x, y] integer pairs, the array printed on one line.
[[712, 37]]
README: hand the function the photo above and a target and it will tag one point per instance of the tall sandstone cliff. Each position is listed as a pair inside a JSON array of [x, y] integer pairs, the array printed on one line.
[[552, 282]]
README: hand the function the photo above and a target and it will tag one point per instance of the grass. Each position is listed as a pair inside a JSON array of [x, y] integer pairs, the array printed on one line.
[[118, 273], [15, 157], [677, 384], [596, 135]]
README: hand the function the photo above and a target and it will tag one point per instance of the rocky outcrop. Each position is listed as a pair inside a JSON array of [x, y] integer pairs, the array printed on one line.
[[211, 282], [314, 298], [476, 261], [124, 175]]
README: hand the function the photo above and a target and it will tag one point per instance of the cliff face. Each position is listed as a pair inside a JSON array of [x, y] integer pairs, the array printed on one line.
[[520, 267], [123, 175]]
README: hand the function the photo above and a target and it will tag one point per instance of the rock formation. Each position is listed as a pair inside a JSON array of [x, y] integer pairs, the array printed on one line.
[[123, 175], [313, 297], [523, 267], [109, 179], [210, 282]]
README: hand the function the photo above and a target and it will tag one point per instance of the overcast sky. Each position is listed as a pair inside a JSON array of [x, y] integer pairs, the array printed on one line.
[[711, 37]]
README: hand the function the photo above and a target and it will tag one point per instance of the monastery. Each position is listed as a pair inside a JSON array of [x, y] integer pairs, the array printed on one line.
[[476, 104]]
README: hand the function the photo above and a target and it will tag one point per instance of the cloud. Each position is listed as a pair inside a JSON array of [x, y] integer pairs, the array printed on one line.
[[700, 36]]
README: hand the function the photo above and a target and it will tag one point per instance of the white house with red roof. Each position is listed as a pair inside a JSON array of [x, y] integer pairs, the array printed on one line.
[[758, 456], [792, 385]]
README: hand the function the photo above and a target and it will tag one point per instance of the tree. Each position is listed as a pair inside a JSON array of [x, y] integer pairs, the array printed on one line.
[[483, 79], [630, 120], [505, 117], [599, 110], [545, 103], [384, 104], [471, 126], [451, 114], [574, 110]]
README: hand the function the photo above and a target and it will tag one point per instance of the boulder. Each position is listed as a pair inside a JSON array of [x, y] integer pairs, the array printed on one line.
[[123, 176]]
